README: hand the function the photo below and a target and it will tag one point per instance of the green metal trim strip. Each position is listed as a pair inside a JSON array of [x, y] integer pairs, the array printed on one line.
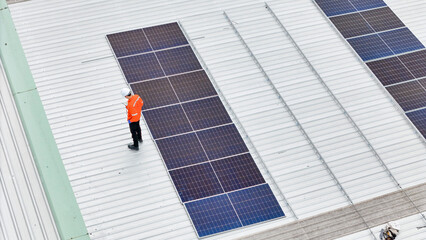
[[60, 195]]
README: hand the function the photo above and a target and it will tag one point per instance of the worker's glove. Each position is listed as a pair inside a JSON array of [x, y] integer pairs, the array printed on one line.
[[128, 121]]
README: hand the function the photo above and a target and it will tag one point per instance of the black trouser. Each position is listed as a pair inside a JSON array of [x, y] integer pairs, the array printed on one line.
[[135, 129]]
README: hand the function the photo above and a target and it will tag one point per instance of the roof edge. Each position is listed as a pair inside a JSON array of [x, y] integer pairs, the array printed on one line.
[[63, 204]]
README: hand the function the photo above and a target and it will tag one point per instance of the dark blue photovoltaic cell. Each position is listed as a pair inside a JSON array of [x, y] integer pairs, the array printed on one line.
[[155, 93], [129, 43], [351, 25], [178, 60], [415, 62], [192, 85], [165, 36], [237, 172], [167, 121], [206, 113], [335, 7], [256, 204], [181, 150], [141, 67], [196, 182], [418, 118], [222, 141], [213, 215], [367, 4], [409, 95], [370, 47], [401, 40]]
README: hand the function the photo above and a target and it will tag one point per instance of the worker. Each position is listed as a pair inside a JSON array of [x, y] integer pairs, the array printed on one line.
[[390, 231], [134, 111]]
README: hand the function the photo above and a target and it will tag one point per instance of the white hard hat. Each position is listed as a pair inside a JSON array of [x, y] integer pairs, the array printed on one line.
[[394, 225], [125, 92]]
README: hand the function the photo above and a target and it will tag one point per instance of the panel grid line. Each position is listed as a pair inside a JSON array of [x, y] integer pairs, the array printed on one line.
[[202, 146], [369, 34], [173, 104], [154, 51]]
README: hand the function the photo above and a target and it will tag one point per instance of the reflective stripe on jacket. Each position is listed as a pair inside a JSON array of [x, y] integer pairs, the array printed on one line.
[[134, 108]]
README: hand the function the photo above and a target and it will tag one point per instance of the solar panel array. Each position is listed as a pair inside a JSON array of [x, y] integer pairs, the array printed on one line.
[[389, 48], [207, 160]]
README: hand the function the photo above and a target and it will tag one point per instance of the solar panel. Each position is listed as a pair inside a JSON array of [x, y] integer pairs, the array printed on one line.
[[419, 120], [382, 19], [401, 40], [140, 67], [192, 85], [196, 182], [370, 47], [255, 204], [390, 71], [206, 113], [213, 215], [333, 7], [222, 142], [178, 60], [165, 36], [367, 4], [181, 150], [390, 38], [237, 172], [155, 93], [129, 43], [415, 62], [167, 121], [351, 25], [410, 95], [191, 128]]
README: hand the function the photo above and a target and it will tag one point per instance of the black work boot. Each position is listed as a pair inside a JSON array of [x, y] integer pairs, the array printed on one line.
[[132, 147], [140, 140]]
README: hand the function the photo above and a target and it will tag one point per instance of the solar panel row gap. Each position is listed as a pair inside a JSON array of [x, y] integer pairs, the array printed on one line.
[[202, 149], [375, 32]]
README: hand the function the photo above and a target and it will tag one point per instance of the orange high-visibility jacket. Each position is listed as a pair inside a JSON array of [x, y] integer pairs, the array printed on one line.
[[134, 108]]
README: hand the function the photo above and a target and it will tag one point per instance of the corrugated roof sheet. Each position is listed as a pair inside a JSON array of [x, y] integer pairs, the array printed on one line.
[[324, 130], [24, 210]]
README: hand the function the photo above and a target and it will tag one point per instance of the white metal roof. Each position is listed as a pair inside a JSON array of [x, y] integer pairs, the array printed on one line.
[[322, 129], [24, 210]]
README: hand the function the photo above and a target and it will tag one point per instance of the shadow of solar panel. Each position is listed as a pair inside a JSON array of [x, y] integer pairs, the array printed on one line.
[[155, 93], [415, 62], [333, 7], [370, 47], [178, 60], [167, 121], [382, 19], [181, 150], [410, 95], [367, 4], [418, 118], [165, 36], [196, 182], [351, 25], [222, 142], [390, 71], [192, 86], [256, 204], [129, 43], [141, 67], [237, 172], [401, 40], [206, 113], [213, 215]]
